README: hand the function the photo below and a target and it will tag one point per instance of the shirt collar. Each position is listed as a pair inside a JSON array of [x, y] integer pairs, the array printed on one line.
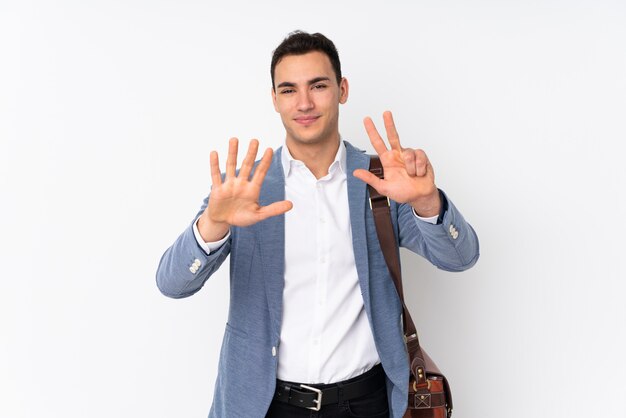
[[288, 161]]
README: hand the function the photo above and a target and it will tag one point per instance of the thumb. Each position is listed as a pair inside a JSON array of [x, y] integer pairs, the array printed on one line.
[[369, 178], [275, 209]]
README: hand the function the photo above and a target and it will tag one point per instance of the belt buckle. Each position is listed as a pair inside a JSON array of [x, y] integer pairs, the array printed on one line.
[[317, 401]]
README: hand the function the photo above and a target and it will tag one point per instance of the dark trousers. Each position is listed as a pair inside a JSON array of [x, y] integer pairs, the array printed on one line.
[[370, 405]]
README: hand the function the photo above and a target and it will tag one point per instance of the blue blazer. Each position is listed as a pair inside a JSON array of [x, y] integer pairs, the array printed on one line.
[[250, 348]]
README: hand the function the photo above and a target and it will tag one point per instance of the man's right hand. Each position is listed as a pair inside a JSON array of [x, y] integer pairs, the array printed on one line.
[[235, 201]]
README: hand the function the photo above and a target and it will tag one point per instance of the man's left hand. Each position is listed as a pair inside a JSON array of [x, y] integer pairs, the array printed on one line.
[[409, 176]]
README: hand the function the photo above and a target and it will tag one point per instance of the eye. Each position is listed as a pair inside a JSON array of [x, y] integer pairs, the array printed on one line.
[[319, 86], [286, 91]]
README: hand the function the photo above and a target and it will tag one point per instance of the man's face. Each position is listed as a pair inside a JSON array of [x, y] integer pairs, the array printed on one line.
[[307, 97]]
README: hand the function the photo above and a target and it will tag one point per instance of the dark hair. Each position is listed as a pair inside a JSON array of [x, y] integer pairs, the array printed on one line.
[[299, 43]]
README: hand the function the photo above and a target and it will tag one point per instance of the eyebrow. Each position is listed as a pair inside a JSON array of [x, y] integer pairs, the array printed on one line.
[[312, 81]]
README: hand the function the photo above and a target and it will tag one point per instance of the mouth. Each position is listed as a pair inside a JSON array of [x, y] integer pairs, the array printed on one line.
[[306, 120]]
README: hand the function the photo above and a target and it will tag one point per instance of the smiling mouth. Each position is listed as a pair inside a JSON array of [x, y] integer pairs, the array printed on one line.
[[306, 120]]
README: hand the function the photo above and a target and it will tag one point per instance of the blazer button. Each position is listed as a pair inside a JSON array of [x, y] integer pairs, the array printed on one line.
[[274, 351], [453, 232]]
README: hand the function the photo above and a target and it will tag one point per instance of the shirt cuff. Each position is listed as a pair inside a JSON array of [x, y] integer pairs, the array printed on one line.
[[431, 219], [208, 247]]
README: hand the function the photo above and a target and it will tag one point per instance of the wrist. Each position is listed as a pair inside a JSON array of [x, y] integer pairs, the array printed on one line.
[[427, 206], [211, 230]]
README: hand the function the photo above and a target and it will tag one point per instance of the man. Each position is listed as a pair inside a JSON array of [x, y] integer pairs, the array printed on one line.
[[313, 310]]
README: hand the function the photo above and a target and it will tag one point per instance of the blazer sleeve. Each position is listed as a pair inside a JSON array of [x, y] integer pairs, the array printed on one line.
[[185, 266], [450, 245]]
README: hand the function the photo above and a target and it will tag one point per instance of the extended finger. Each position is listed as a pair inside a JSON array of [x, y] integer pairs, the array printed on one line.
[[262, 167], [392, 133], [231, 161], [375, 138], [216, 176], [248, 162]]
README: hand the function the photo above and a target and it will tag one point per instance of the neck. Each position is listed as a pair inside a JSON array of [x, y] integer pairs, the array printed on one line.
[[316, 157]]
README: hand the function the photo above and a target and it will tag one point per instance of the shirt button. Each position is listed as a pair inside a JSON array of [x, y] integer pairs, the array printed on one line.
[[316, 341]]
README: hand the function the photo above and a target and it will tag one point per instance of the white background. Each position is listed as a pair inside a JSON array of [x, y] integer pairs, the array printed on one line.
[[108, 112]]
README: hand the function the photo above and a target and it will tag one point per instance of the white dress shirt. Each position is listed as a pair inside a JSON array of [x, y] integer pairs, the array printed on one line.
[[325, 335]]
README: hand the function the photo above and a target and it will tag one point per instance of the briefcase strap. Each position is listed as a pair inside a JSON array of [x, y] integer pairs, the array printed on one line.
[[388, 243], [420, 362]]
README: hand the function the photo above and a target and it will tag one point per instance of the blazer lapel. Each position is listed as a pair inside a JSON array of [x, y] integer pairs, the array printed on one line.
[[357, 191], [271, 241]]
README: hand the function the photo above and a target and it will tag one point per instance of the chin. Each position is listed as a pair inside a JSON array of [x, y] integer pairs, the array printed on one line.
[[308, 139], [305, 137]]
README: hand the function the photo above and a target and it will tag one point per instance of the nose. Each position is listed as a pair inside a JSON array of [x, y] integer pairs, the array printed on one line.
[[304, 101]]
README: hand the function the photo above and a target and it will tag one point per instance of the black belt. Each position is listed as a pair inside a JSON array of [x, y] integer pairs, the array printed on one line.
[[315, 396]]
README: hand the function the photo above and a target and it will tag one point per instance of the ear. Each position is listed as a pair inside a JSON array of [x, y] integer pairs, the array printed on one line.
[[343, 90], [274, 99]]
